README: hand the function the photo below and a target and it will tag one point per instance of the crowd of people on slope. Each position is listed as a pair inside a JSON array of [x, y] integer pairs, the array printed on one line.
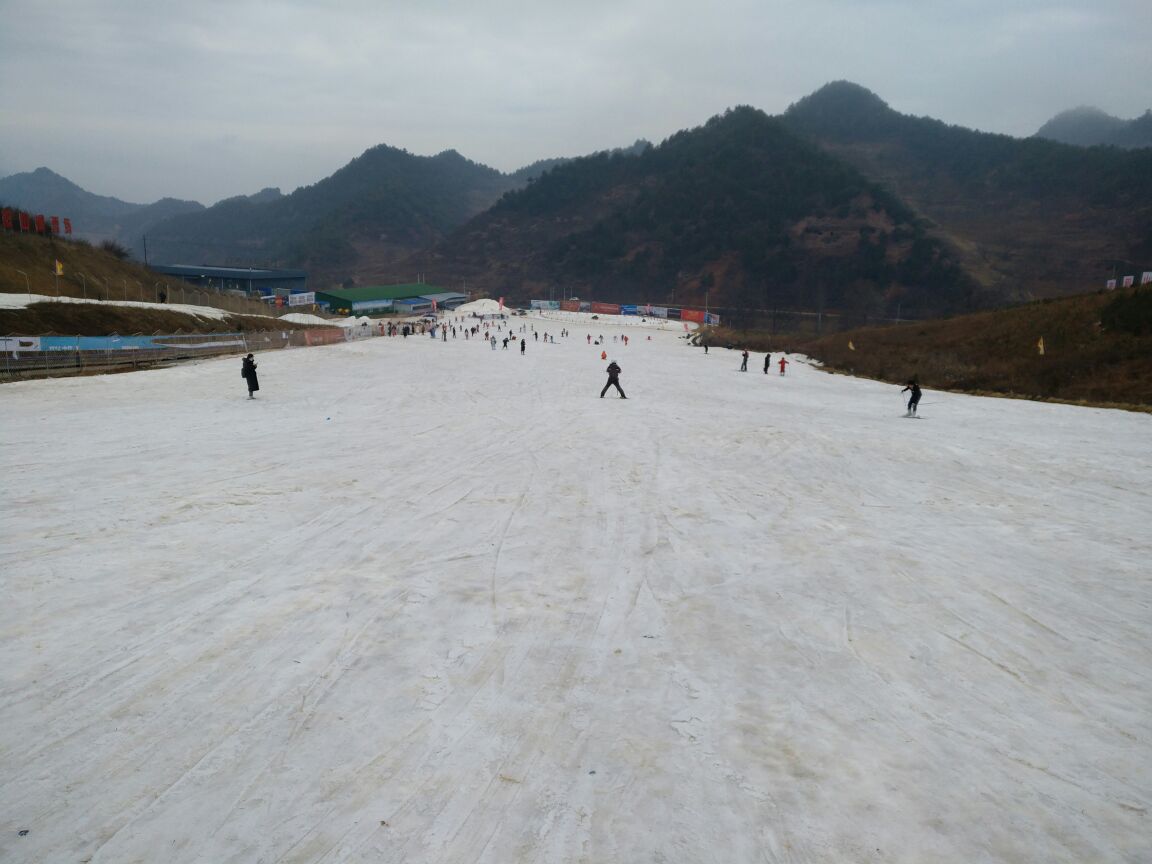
[[488, 333], [912, 388]]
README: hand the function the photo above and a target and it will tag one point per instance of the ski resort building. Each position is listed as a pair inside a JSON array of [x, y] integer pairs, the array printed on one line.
[[410, 299], [250, 281]]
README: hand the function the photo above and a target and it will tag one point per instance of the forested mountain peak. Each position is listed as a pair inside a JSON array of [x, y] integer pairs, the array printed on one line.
[[842, 104], [1004, 203], [740, 211]]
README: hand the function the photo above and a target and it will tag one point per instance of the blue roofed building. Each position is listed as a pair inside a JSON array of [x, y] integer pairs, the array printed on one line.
[[249, 280]]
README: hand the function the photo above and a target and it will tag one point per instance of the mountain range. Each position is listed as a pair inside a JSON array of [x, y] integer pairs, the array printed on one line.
[[1087, 127], [840, 202]]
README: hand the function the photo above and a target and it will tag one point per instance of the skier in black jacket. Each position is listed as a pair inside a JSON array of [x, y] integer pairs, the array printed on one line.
[[613, 380], [248, 372], [914, 399]]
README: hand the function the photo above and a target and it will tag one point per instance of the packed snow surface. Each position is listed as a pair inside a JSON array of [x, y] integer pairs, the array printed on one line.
[[423, 601], [21, 301], [483, 306], [308, 318]]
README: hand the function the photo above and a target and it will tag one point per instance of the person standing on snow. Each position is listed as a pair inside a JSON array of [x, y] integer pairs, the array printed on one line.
[[523, 346], [767, 362], [783, 365], [913, 400], [248, 373], [744, 361], [613, 380]]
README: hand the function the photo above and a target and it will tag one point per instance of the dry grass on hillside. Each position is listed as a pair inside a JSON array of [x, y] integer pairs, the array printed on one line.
[[92, 319], [995, 352], [27, 265]]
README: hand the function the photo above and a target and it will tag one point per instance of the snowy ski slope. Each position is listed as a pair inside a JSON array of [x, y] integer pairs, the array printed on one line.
[[427, 602]]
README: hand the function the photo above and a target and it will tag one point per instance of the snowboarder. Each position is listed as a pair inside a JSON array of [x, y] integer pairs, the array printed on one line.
[[783, 365], [248, 372], [613, 380], [913, 400], [744, 361], [767, 362]]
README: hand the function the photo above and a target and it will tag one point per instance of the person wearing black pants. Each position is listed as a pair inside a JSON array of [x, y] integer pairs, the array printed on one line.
[[248, 372], [914, 398], [613, 380]]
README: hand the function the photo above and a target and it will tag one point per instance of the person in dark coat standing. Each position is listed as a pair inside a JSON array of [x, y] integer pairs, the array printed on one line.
[[767, 362], [744, 361], [613, 380], [914, 398], [248, 373]]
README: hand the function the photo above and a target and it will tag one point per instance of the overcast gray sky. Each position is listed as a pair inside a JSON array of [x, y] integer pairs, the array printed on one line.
[[142, 99]]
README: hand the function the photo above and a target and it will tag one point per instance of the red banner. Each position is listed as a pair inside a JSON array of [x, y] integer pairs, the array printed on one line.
[[39, 224], [692, 315], [67, 225], [25, 222], [7, 219], [570, 305], [55, 224], [606, 308]]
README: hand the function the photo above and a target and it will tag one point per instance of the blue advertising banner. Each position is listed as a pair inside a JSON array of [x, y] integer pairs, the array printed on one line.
[[137, 343], [628, 310]]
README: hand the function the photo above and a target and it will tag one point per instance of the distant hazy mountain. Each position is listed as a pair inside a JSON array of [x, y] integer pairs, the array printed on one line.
[[1028, 217], [1087, 126], [379, 207], [94, 217], [841, 202]]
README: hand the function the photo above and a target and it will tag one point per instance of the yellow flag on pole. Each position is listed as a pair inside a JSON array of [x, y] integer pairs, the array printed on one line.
[[1040, 346], [59, 268]]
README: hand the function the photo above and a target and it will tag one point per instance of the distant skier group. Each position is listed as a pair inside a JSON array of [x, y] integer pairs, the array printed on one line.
[[783, 363]]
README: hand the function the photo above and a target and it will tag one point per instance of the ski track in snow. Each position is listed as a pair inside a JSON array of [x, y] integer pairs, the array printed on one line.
[[426, 602]]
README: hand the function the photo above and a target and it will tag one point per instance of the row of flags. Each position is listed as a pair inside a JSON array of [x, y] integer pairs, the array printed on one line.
[[1129, 281], [29, 223]]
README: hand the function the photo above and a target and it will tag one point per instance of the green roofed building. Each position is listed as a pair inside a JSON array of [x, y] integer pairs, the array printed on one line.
[[387, 298]]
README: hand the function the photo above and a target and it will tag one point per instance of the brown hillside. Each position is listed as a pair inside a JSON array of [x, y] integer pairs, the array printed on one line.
[[27, 264], [997, 352]]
